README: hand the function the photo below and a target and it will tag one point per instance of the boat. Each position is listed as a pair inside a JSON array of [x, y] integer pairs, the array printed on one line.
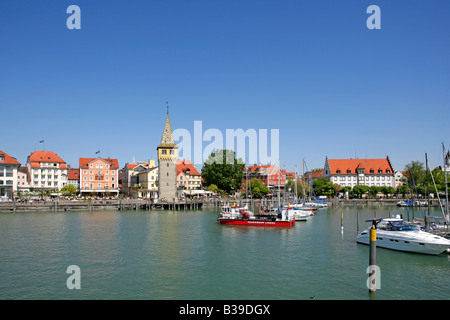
[[234, 215], [407, 203], [297, 213], [306, 209], [396, 234], [317, 203]]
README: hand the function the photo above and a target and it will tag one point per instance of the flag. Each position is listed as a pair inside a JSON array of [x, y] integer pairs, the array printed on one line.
[[42, 141]]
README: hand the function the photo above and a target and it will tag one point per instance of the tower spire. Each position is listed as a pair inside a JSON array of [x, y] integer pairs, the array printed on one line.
[[167, 139]]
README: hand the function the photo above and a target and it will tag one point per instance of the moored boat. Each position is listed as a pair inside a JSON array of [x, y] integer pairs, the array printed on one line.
[[297, 213], [234, 215], [396, 234]]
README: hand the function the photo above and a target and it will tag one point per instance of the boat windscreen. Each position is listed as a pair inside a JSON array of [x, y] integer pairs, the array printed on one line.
[[396, 226]]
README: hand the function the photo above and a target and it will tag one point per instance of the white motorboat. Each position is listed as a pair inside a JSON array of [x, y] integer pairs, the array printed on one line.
[[396, 234], [296, 213]]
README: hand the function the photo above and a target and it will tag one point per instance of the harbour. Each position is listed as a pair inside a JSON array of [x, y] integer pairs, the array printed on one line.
[[188, 255]]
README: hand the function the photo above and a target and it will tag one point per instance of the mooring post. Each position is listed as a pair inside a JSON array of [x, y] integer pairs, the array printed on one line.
[[372, 257]]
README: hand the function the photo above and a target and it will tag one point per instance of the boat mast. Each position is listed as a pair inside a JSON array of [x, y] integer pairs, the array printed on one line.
[[446, 162], [279, 178], [295, 185], [303, 181], [427, 220], [246, 180]]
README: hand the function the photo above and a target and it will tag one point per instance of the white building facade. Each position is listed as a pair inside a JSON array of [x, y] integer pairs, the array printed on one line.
[[47, 170], [366, 172], [8, 176]]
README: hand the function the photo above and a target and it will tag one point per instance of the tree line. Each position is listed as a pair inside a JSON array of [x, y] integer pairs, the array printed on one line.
[[224, 173]]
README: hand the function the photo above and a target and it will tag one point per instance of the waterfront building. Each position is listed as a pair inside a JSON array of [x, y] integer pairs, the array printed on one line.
[[148, 182], [400, 177], [73, 177], [99, 176], [8, 175], [353, 172], [130, 176], [313, 175], [140, 180], [188, 177], [47, 171], [167, 164], [23, 182], [269, 175]]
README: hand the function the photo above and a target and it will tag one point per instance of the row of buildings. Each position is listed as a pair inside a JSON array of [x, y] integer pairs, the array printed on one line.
[[45, 170]]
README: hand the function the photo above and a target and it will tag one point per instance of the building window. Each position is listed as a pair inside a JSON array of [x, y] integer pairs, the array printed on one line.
[[172, 152], [163, 151]]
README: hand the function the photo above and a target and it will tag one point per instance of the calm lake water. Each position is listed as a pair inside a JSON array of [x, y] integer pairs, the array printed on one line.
[[188, 255]]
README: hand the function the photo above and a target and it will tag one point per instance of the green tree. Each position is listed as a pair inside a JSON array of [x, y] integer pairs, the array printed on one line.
[[359, 190], [212, 188], [324, 187], [439, 179], [302, 187], [418, 173], [257, 188], [373, 191], [387, 190], [224, 170], [69, 189], [404, 190]]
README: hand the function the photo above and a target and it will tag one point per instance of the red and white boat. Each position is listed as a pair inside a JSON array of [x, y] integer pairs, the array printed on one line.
[[234, 215]]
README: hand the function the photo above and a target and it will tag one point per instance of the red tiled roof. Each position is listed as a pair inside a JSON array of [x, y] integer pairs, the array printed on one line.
[[45, 156], [8, 159], [315, 174], [350, 166], [84, 162], [267, 169], [73, 174], [183, 165], [290, 175]]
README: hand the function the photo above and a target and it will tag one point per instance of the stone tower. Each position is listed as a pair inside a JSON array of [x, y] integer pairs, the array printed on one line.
[[167, 164]]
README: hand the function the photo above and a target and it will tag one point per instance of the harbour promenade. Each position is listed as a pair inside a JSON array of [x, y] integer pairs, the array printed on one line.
[[113, 204], [138, 204]]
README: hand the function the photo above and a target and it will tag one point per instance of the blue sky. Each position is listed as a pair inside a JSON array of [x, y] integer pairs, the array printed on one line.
[[311, 69]]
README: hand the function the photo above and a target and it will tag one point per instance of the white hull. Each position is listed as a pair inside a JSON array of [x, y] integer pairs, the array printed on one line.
[[410, 241], [301, 217]]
